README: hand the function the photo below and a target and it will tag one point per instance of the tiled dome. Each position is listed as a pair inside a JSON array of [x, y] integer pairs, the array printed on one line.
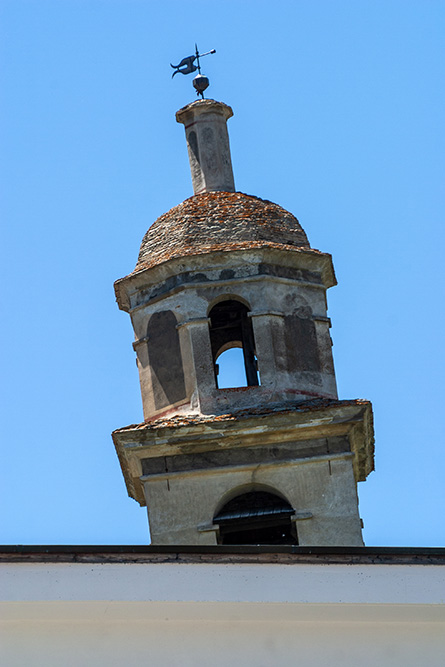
[[218, 221]]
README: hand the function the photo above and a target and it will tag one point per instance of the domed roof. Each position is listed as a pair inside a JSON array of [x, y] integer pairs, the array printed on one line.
[[218, 221]]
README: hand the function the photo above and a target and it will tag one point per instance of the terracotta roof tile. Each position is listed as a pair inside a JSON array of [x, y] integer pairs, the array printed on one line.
[[184, 420], [219, 221]]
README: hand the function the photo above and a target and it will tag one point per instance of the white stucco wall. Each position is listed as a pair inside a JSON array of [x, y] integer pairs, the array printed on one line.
[[221, 614]]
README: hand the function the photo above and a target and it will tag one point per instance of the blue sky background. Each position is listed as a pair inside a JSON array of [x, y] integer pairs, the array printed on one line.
[[339, 110]]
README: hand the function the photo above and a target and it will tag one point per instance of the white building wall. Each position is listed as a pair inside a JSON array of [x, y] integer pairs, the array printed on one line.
[[170, 614]]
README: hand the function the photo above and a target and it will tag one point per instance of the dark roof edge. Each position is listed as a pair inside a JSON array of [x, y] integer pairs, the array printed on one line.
[[250, 553]]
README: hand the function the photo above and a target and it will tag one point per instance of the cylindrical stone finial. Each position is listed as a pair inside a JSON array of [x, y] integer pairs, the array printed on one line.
[[208, 146]]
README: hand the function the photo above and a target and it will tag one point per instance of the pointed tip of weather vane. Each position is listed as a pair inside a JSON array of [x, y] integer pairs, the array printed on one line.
[[187, 66]]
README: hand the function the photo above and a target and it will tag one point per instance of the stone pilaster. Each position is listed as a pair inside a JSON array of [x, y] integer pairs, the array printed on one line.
[[270, 346]]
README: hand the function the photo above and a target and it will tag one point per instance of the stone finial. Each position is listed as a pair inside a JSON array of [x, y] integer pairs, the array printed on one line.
[[208, 146]]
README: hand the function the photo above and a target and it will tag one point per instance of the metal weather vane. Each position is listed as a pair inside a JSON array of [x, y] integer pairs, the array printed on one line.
[[187, 66]]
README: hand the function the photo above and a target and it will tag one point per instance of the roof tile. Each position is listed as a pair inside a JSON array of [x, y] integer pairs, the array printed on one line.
[[219, 221]]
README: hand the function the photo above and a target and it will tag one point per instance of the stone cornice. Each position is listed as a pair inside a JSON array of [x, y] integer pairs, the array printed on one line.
[[299, 259], [181, 435]]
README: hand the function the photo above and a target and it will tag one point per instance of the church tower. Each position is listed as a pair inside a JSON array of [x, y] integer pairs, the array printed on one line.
[[276, 461]]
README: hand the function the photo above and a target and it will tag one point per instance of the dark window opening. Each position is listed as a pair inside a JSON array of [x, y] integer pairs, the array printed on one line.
[[257, 517], [230, 327]]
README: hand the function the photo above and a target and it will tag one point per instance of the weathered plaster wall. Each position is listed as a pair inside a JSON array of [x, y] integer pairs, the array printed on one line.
[[182, 505], [290, 325], [311, 455], [208, 145]]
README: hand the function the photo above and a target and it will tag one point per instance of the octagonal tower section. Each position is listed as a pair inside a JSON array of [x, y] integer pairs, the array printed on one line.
[[226, 270]]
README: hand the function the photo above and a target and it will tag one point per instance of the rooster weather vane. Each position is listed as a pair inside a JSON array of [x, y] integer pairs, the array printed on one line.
[[187, 66]]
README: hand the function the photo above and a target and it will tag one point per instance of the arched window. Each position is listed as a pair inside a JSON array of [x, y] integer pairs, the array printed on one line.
[[230, 327], [257, 517]]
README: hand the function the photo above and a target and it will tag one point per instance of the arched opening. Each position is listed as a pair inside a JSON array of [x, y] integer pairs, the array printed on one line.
[[230, 327], [257, 517], [231, 372]]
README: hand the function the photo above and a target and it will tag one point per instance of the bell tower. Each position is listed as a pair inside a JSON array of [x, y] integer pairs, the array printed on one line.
[[276, 461]]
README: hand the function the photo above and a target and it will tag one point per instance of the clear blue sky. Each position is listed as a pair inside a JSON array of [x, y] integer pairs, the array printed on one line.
[[339, 110]]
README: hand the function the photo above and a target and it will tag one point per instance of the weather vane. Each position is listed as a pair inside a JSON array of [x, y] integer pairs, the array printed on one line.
[[187, 66]]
